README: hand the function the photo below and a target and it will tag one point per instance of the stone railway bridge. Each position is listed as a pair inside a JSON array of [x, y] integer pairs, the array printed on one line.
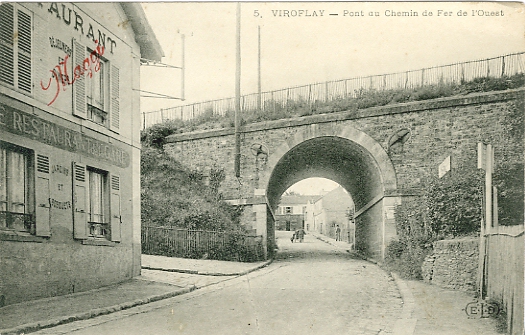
[[380, 155]]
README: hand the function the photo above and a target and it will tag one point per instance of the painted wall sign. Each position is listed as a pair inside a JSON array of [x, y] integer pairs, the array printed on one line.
[[60, 169], [60, 45], [38, 129], [72, 18], [61, 187], [60, 204], [59, 73]]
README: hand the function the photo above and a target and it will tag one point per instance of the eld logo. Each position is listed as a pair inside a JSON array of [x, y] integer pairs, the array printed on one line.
[[481, 309]]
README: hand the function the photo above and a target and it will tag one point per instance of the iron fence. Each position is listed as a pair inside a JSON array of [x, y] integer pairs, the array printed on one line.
[[177, 242], [496, 67]]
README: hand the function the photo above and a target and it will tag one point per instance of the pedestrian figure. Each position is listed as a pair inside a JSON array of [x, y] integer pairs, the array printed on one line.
[[299, 234], [337, 233], [293, 237]]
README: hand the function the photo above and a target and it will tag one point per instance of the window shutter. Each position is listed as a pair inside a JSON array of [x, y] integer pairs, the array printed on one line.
[[115, 99], [79, 87], [24, 51], [116, 218], [7, 64], [80, 218], [43, 203]]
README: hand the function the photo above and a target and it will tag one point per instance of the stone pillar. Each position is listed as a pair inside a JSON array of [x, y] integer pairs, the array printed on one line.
[[389, 222], [256, 216], [260, 210], [260, 225]]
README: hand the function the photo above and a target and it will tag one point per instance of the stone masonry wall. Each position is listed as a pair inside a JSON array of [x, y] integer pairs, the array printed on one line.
[[438, 128], [453, 264]]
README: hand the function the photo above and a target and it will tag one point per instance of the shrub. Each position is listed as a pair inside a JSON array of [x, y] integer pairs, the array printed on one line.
[[455, 203], [509, 181], [450, 207], [155, 135], [406, 255], [433, 92], [487, 84], [508, 176], [237, 250], [406, 259], [173, 196]]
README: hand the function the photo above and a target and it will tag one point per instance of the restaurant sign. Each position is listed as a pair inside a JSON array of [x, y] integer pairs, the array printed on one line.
[[30, 126]]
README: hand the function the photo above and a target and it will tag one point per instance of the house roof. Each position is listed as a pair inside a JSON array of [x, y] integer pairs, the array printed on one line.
[[338, 191], [149, 45], [297, 199]]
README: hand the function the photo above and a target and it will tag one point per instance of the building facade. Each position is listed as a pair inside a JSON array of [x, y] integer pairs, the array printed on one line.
[[70, 146], [289, 215], [333, 209]]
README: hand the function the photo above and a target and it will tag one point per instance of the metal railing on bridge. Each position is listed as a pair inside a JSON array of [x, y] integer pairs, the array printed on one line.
[[496, 67]]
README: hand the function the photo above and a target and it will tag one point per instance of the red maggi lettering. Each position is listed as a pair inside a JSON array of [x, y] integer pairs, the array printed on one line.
[[59, 74]]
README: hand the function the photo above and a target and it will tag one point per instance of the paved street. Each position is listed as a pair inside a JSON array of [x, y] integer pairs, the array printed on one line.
[[311, 288]]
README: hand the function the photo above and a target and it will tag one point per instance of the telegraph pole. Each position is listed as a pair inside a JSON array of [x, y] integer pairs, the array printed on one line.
[[182, 68], [237, 162], [259, 96]]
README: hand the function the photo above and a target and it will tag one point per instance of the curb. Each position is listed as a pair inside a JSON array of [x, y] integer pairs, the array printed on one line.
[[320, 238], [170, 270], [204, 273], [39, 325], [35, 326], [406, 324]]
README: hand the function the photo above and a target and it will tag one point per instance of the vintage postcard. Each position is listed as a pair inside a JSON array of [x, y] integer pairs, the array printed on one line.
[[262, 167]]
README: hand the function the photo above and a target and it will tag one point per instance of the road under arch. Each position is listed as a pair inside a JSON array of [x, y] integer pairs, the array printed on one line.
[[361, 166]]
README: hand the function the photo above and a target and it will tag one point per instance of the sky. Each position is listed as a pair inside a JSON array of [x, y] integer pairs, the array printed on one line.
[[308, 49], [314, 46], [313, 186]]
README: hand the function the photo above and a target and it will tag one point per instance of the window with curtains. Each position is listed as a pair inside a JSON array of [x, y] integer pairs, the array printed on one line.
[[15, 186], [96, 92], [97, 96], [98, 203]]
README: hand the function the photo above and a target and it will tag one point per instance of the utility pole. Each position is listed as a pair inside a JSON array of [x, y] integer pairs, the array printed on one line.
[[259, 96], [237, 162], [182, 68], [485, 162]]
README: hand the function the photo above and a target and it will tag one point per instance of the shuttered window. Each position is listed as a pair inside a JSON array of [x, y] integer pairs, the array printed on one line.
[[6, 44], [15, 47], [79, 88], [116, 219], [97, 95], [96, 204], [115, 99], [43, 202], [80, 220]]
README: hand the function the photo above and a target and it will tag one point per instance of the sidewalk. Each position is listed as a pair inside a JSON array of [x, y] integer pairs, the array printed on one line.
[[342, 245], [429, 309], [204, 267], [151, 286]]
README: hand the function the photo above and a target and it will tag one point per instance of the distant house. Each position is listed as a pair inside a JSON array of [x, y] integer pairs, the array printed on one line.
[[290, 213], [325, 213]]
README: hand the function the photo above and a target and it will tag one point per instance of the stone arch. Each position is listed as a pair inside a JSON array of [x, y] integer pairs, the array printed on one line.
[[349, 157], [359, 138]]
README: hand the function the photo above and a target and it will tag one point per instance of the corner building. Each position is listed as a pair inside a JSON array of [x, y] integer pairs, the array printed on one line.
[[70, 146]]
